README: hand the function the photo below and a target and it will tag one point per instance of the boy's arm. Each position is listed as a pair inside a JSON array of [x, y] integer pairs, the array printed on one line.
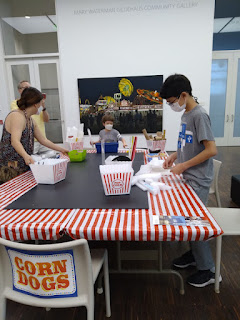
[[209, 151], [99, 139], [124, 143], [94, 142], [170, 160]]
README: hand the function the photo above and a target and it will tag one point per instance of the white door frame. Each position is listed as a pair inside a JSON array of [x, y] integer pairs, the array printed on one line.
[[232, 56], [33, 62], [234, 141], [225, 55]]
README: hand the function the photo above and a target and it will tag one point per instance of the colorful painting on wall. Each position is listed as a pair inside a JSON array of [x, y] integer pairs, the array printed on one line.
[[134, 102]]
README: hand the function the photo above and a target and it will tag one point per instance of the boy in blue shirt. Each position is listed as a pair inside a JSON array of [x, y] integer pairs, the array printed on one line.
[[196, 147]]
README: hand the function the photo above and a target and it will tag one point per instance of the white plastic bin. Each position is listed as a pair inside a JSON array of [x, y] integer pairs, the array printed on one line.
[[49, 171], [109, 161], [116, 179]]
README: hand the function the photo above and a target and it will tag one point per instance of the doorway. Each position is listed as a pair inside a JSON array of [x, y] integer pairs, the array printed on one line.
[[225, 97], [43, 74]]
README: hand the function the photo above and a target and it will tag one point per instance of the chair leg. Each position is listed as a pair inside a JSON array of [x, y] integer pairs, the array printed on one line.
[[99, 285], [2, 308], [90, 312], [218, 199], [106, 285]]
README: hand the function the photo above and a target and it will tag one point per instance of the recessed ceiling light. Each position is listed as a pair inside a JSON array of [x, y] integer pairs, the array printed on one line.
[[27, 17]]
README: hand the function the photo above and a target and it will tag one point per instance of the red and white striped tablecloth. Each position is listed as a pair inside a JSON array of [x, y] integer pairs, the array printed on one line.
[[137, 225], [29, 224], [33, 224], [105, 224], [15, 188]]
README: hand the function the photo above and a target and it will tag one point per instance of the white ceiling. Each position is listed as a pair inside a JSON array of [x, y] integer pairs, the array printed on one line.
[[36, 24], [41, 24]]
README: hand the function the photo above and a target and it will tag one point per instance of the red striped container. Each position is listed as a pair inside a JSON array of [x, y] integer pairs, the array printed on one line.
[[74, 145], [156, 145], [49, 171], [116, 179]]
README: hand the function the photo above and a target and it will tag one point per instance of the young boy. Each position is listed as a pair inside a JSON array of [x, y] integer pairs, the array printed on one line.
[[196, 147], [109, 134]]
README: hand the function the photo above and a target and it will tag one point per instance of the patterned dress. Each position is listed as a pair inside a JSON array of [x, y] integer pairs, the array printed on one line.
[[9, 154]]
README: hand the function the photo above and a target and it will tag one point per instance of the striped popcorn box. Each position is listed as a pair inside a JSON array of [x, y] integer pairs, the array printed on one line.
[[116, 179], [74, 145], [49, 171], [156, 145]]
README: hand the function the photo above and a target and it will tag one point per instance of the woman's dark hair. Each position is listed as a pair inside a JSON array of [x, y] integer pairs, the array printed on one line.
[[29, 97], [174, 85], [107, 117]]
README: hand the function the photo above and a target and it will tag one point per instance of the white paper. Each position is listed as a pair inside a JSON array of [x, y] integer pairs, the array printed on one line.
[[155, 220]]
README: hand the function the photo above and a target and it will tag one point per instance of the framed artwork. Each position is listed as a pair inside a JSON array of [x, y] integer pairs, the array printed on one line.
[[134, 102]]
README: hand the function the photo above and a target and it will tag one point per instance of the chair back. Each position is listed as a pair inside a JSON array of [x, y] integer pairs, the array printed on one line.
[[50, 275], [216, 167], [214, 186]]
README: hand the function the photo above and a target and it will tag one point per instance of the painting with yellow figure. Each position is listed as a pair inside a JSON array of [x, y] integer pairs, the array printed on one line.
[[125, 86], [109, 99]]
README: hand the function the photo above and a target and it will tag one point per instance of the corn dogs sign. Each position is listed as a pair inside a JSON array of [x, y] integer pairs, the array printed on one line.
[[43, 274]]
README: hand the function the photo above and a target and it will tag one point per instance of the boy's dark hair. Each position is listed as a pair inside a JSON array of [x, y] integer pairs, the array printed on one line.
[[174, 85], [107, 117]]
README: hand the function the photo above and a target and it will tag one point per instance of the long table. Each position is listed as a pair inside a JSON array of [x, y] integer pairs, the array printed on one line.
[[108, 224]]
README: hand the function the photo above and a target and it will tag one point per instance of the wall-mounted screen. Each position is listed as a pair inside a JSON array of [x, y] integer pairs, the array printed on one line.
[[134, 102]]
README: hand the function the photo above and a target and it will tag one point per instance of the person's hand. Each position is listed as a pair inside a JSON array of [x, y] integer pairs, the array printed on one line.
[[92, 143], [28, 160], [178, 168], [124, 145], [64, 151], [168, 162]]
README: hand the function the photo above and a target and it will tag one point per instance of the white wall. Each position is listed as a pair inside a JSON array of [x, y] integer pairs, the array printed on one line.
[[110, 38], [42, 42], [4, 93]]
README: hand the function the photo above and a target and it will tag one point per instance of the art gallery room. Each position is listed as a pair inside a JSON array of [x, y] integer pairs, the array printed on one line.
[[120, 176]]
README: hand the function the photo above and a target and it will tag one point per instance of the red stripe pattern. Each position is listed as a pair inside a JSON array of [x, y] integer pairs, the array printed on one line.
[[15, 188], [137, 225], [59, 171], [105, 224], [29, 224]]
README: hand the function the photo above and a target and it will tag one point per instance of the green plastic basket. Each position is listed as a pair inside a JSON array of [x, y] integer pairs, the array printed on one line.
[[77, 156]]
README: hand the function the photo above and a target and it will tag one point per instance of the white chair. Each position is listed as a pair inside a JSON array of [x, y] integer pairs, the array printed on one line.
[[214, 186], [229, 220], [52, 276]]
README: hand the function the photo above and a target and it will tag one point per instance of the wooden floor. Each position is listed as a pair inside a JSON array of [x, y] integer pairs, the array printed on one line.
[[150, 297]]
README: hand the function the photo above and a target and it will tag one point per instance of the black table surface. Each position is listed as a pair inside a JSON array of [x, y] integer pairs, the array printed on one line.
[[82, 189]]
